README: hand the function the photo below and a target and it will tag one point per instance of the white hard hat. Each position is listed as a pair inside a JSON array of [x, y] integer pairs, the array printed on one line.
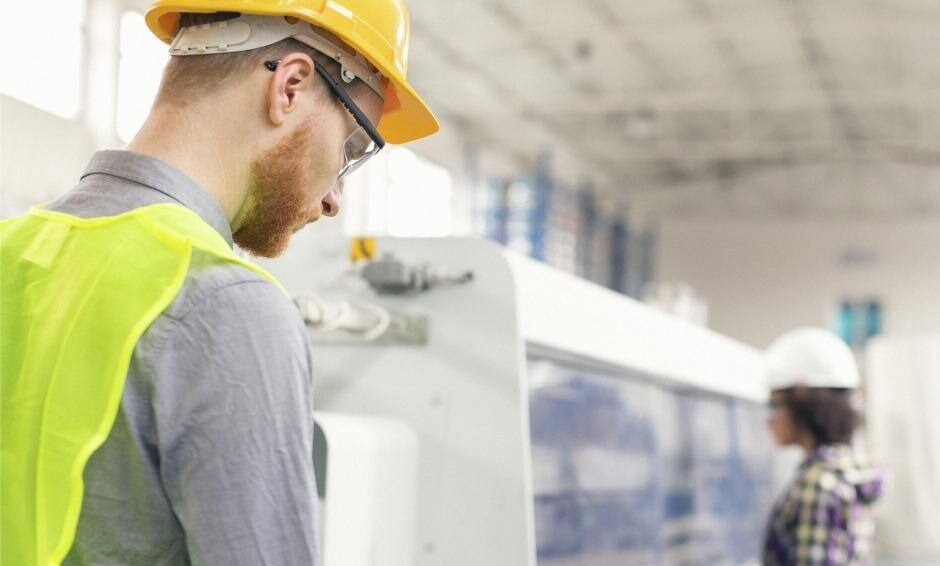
[[811, 357]]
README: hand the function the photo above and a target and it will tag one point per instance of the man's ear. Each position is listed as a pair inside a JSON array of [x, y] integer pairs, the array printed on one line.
[[294, 74]]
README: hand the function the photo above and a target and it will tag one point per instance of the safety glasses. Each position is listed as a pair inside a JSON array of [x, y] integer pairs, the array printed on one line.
[[365, 141]]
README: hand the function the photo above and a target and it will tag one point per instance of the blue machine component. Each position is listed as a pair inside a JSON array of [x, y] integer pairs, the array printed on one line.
[[872, 319], [618, 256], [629, 471], [496, 212], [845, 322], [588, 216], [542, 188]]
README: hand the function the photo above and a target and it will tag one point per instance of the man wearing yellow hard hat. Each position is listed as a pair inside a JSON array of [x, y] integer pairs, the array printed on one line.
[[157, 395]]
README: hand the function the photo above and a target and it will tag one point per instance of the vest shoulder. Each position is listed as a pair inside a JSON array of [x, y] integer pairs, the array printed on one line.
[[208, 275]]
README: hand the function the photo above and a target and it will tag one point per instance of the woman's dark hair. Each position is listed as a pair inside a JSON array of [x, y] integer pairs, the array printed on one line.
[[825, 413]]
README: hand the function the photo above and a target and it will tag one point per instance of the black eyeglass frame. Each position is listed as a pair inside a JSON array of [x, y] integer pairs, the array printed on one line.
[[347, 101]]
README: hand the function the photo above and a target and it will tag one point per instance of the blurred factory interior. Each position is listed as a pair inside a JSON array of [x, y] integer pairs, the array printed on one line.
[[733, 169]]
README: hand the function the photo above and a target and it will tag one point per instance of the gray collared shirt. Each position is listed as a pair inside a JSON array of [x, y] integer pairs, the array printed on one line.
[[209, 459]]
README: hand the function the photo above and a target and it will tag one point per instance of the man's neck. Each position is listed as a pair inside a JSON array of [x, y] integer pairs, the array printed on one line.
[[210, 157]]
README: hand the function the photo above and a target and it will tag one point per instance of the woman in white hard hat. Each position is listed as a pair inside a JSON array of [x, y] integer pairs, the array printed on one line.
[[824, 517]]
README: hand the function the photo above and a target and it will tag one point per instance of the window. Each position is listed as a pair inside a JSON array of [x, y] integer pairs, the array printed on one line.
[[857, 320], [142, 59], [418, 196], [398, 194], [43, 69]]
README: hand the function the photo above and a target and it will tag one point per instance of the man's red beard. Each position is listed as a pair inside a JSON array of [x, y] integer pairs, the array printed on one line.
[[279, 196]]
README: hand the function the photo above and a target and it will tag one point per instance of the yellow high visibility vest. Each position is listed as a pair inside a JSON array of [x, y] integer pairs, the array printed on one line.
[[75, 297]]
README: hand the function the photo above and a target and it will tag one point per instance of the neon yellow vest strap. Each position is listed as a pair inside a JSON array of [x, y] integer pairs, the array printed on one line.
[[75, 297]]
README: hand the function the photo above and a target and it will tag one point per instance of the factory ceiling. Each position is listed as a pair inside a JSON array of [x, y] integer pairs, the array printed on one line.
[[782, 106]]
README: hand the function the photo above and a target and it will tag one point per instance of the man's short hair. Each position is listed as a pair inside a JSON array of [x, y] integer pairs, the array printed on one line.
[[190, 77]]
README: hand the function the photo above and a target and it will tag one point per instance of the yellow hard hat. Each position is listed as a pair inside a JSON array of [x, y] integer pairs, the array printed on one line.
[[379, 30]]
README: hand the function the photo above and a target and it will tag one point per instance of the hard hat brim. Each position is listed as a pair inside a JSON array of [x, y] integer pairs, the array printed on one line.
[[413, 120]]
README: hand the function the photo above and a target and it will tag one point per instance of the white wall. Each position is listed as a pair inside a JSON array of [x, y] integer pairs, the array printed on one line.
[[41, 155], [763, 277]]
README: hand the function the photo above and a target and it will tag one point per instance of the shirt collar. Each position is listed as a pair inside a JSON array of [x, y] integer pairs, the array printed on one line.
[[159, 176]]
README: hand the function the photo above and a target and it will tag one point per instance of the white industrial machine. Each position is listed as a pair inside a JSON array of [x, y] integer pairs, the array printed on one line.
[[503, 413]]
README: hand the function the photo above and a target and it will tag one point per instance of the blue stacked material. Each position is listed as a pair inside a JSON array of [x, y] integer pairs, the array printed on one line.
[[629, 471]]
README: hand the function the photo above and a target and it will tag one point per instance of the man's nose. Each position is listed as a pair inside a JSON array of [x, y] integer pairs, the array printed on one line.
[[332, 200]]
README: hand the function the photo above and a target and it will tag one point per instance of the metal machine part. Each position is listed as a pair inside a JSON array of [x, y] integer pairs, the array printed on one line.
[[389, 275]]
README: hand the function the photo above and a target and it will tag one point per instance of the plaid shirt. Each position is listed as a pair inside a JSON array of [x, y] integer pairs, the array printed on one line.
[[825, 518]]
